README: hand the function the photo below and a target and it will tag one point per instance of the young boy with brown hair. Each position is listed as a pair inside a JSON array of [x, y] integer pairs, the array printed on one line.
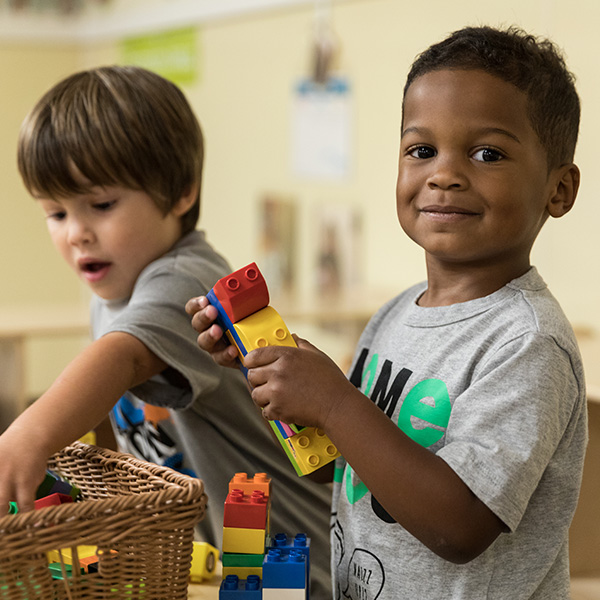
[[113, 156], [463, 424]]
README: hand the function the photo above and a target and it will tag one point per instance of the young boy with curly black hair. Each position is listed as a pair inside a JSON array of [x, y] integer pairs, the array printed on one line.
[[463, 436]]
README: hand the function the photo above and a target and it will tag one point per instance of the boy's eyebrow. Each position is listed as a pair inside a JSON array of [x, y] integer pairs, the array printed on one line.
[[485, 131]]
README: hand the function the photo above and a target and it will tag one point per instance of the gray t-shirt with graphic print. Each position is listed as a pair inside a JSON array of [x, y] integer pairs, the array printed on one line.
[[495, 387]]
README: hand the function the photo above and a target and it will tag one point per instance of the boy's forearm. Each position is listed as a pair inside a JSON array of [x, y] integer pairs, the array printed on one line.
[[417, 488], [86, 390]]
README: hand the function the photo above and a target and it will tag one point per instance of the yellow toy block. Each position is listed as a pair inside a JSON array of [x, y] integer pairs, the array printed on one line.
[[242, 572], [67, 553], [311, 449], [263, 328], [243, 541], [204, 562]]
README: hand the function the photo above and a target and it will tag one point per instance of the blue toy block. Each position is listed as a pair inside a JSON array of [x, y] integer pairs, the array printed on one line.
[[285, 544], [300, 543], [234, 588], [285, 569]]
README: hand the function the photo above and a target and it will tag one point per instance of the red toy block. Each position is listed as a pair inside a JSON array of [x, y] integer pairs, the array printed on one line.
[[52, 500], [247, 511], [242, 293], [260, 482]]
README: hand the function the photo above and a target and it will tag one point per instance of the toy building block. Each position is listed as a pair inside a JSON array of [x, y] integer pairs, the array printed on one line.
[[243, 572], [260, 482], [243, 541], [285, 594], [282, 542], [204, 562], [253, 324], [52, 500], [234, 588], [52, 483], [61, 571], [300, 543], [246, 511], [243, 560], [261, 329], [285, 570], [85, 556], [311, 449], [242, 293]]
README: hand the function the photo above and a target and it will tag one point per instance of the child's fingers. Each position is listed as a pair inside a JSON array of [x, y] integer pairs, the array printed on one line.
[[193, 305], [204, 318]]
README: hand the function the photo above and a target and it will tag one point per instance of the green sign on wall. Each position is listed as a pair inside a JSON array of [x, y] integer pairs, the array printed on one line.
[[172, 54]]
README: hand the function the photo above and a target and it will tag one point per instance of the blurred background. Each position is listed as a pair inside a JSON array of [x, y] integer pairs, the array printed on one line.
[[300, 106]]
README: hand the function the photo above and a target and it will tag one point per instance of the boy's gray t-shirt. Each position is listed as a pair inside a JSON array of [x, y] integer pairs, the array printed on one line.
[[495, 387], [215, 422]]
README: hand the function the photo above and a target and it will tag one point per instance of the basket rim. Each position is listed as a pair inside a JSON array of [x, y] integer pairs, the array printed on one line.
[[180, 489]]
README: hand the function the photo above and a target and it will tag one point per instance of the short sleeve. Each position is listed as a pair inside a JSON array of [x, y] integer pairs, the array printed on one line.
[[508, 424], [156, 316]]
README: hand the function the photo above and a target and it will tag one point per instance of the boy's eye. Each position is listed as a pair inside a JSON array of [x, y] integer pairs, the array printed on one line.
[[107, 205], [488, 155], [56, 216], [422, 152]]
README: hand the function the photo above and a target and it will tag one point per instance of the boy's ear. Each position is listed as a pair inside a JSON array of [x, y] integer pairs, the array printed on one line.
[[567, 185], [186, 201]]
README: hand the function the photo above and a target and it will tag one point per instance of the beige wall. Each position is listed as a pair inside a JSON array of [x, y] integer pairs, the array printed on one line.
[[248, 67]]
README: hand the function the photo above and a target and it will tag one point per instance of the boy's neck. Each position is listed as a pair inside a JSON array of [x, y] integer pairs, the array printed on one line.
[[452, 284]]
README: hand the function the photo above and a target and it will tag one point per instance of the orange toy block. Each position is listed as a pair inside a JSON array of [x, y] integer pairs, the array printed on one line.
[[260, 482]]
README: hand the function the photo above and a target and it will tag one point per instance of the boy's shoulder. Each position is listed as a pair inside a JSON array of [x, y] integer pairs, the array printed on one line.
[[523, 306], [192, 258]]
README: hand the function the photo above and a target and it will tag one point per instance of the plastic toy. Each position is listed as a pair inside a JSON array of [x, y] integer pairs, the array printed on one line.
[[284, 569], [243, 541], [244, 314], [246, 511], [204, 562], [260, 482], [234, 588], [52, 500]]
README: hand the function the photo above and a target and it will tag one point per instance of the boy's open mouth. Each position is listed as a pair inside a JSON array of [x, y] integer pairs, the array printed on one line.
[[94, 267]]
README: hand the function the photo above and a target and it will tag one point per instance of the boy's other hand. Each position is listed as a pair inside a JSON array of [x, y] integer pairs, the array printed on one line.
[[210, 336], [297, 385]]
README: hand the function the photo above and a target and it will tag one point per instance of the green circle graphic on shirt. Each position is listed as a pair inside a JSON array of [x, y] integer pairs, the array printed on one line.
[[437, 413]]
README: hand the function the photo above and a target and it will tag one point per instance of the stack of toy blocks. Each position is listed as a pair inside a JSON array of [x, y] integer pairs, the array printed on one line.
[[245, 534], [244, 314], [256, 565]]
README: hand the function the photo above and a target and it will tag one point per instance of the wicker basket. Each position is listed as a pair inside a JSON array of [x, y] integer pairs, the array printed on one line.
[[140, 516]]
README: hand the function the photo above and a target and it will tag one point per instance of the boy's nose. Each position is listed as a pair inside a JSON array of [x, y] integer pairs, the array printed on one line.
[[79, 232], [447, 174]]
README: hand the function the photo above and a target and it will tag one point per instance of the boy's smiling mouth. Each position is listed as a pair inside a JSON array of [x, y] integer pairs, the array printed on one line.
[[445, 213]]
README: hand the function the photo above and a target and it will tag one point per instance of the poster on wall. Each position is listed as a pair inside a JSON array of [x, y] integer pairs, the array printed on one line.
[[338, 250], [321, 141], [172, 54]]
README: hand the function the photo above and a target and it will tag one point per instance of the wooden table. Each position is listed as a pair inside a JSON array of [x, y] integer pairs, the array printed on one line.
[[207, 590]]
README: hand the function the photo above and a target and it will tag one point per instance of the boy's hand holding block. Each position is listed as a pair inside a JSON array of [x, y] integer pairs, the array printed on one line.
[[244, 314]]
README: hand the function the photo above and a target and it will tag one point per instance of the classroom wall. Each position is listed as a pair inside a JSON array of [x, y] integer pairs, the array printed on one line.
[[248, 67]]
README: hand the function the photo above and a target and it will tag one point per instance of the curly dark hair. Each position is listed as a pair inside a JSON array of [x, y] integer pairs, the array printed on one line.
[[534, 65]]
